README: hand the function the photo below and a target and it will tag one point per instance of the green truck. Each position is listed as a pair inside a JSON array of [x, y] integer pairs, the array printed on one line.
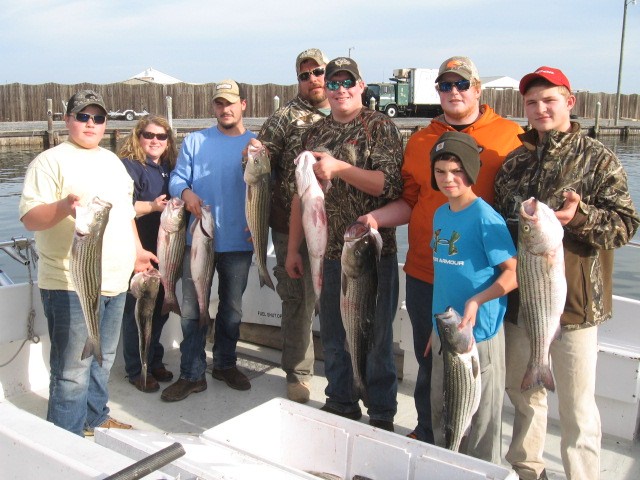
[[411, 92]]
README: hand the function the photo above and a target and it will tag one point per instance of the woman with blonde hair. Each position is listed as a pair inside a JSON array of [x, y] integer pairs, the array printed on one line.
[[149, 154]]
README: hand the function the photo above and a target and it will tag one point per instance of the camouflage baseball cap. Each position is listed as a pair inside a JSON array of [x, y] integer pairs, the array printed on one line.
[[462, 66], [311, 54], [82, 99], [342, 64], [229, 90]]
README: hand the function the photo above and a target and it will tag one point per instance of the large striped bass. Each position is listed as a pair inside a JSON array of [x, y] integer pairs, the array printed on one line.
[[462, 383], [86, 268], [314, 217], [172, 237], [144, 287], [358, 296], [542, 286], [202, 260], [257, 176]]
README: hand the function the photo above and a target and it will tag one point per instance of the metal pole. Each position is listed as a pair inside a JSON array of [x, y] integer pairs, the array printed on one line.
[[276, 103], [50, 122], [351, 48], [624, 25], [596, 127]]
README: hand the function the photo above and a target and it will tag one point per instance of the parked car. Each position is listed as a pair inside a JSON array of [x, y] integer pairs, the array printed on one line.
[[129, 114]]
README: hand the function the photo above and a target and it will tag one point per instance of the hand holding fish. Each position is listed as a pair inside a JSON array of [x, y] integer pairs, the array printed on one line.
[[159, 203], [369, 220], [568, 210], [327, 167], [192, 202], [253, 143], [143, 260], [470, 313]]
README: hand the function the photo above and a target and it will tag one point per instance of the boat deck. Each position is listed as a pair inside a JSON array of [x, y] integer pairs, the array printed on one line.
[[201, 411]]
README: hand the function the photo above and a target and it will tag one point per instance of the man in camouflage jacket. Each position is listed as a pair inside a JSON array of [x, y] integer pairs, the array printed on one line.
[[281, 134], [360, 151], [585, 184]]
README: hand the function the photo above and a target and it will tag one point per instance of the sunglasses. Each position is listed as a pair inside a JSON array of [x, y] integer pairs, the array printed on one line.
[[334, 85], [316, 72], [84, 118], [150, 136], [461, 85]]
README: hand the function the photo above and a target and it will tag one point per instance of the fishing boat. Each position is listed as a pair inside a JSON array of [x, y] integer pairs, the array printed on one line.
[[223, 433]]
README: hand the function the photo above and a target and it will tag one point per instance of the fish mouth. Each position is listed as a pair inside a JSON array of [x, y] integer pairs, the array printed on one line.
[[529, 207], [355, 231]]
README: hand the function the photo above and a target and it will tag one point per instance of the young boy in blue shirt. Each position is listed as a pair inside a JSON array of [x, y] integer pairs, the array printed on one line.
[[475, 267]]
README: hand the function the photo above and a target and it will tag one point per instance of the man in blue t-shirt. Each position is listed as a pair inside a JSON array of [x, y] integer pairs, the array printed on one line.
[[209, 172], [474, 268]]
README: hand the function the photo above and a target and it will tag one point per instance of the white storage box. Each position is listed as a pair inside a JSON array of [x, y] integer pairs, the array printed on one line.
[[311, 440]]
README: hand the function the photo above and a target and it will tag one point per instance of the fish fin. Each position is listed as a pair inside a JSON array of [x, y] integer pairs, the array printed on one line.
[[343, 284], [538, 376]]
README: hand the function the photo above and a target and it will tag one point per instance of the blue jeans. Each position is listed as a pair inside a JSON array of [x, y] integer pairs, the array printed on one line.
[[419, 301], [381, 377], [130, 338], [78, 392], [233, 271]]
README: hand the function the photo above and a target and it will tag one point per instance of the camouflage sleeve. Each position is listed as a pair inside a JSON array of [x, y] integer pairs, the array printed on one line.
[[386, 156], [606, 219], [273, 135]]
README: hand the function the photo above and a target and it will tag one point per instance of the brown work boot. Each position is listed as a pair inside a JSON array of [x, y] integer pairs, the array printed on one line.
[[233, 377], [182, 389], [299, 391], [150, 386], [108, 423], [161, 374]]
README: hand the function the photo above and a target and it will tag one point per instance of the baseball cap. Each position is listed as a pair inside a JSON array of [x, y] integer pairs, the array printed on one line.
[[462, 66], [82, 99], [342, 64], [311, 54], [462, 146], [227, 89], [550, 74]]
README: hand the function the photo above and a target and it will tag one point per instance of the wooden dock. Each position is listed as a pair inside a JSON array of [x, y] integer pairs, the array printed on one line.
[[36, 134]]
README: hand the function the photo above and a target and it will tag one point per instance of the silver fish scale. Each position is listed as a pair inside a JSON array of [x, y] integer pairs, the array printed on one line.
[[145, 306], [86, 275], [460, 390], [258, 203], [172, 240], [536, 303], [358, 298]]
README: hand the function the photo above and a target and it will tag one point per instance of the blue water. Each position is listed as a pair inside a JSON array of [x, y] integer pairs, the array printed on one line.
[[14, 161]]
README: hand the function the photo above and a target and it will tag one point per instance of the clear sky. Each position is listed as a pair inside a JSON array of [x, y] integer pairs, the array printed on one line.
[[256, 41]]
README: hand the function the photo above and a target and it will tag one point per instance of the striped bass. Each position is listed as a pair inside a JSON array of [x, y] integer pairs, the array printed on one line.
[[172, 237], [86, 268], [462, 383], [202, 260], [314, 217], [542, 285], [358, 296], [144, 287], [257, 176]]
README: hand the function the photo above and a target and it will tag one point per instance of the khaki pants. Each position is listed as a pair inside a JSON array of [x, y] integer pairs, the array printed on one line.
[[574, 359], [485, 436]]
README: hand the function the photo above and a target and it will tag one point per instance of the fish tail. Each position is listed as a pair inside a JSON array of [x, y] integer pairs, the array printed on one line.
[[316, 308], [91, 347], [537, 375], [265, 279], [144, 375], [171, 305]]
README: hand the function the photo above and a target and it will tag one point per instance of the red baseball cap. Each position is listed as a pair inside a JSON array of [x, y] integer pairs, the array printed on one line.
[[553, 75]]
